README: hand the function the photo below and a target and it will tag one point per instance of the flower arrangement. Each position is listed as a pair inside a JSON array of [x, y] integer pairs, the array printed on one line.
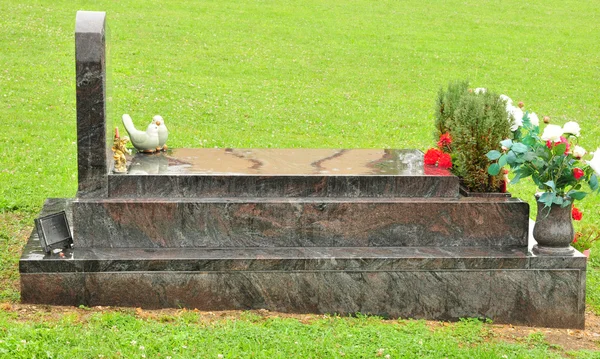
[[553, 159], [440, 156]]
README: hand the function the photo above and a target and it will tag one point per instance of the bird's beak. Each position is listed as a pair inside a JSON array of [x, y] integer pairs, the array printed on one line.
[[157, 123]]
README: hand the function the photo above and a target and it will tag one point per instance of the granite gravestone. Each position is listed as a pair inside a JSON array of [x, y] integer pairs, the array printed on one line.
[[306, 230], [94, 157]]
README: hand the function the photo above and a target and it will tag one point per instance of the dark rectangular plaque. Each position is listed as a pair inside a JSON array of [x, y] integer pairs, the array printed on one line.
[[54, 232]]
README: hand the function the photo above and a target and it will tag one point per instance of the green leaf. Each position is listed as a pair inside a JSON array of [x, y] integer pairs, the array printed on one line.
[[511, 158], [519, 147], [559, 149], [507, 143], [494, 169], [529, 141], [558, 200], [493, 155], [526, 120], [547, 198], [565, 203], [593, 182], [525, 171], [578, 195], [502, 161], [543, 152], [516, 179], [550, 184], [538, 162], [529, 156]]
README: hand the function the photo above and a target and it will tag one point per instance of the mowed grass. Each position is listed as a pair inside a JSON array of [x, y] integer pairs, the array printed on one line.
[[116, 334], [355, 74]]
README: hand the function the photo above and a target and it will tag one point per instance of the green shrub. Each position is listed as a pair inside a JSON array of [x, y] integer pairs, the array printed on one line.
[[447, 101], [478, 124]]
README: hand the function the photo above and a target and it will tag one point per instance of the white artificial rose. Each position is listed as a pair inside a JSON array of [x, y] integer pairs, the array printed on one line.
[[534, 119], [572, 127], [506, 99], [480, 90], [579, 151], [552, 133], [516, 114], [595, 162]]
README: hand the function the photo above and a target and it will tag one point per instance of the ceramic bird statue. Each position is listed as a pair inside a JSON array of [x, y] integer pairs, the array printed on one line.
[[143, 141], [163, 133]]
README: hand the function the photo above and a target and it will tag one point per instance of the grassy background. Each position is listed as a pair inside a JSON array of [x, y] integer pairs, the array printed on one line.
[[285, 74], [244, 73]]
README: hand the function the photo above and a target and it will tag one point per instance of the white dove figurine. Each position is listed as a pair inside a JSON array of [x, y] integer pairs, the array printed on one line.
[[163, 133], [143, 141]]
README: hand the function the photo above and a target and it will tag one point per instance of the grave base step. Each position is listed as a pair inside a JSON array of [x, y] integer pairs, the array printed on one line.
[[508, 285]]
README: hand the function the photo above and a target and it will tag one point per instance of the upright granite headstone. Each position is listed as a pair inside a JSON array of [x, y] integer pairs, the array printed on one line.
[[94, 157]]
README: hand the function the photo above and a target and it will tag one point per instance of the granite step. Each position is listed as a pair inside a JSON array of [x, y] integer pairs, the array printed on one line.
[[299, 222], [507, 285], [205, 172]]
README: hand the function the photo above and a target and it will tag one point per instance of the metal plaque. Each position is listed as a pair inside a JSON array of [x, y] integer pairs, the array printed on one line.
[[54, 231]]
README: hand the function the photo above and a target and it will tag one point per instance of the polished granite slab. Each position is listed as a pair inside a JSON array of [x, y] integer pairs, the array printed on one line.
[[34, 260], [277, 161], [505, 284], [549, 298], [299, 222], [94, 125], [206, 172]]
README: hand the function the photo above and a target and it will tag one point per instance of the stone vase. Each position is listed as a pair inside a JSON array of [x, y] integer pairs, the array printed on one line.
[[553, 230]]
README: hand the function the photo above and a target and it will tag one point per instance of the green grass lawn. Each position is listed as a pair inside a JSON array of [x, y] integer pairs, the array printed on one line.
[[117, 334], [244, 73]]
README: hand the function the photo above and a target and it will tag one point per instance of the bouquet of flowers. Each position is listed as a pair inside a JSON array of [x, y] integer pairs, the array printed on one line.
[[553, 159]]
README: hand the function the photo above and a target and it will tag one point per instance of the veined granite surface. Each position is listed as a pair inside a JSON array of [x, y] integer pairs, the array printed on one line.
[[206, 172], [94, 129], [299, 222], [551, 298], [508, 285], [34, 260]]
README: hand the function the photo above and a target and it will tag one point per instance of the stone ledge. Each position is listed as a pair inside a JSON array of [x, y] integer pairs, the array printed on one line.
[[529, 297], [34, 260]]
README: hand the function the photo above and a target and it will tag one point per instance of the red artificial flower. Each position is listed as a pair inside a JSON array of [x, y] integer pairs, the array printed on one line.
[[432, 156], [576, 214], [578, 173], [551, 144], [445, 140], [445, 161]]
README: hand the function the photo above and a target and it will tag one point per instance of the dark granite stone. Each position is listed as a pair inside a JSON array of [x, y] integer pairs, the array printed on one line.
[[53, 288], [34, 260], [202, 172], [529, 297], [508, 285], [291, 222], [94, 157]]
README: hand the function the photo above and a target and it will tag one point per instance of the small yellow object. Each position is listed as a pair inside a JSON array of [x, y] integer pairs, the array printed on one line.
[[119, 151]]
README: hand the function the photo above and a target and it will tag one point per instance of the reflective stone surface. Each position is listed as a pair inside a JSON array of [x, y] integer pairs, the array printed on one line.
[[298, 162], [197, 172]]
